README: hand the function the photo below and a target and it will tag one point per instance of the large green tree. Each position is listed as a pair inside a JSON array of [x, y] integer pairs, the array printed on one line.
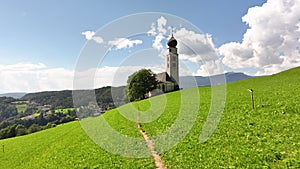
[[140, 83]]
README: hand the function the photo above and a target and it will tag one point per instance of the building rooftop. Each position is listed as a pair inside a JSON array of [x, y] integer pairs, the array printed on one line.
[[163, 77]]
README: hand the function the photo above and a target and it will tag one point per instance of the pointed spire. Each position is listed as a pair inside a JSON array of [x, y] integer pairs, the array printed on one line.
[[172, 41]]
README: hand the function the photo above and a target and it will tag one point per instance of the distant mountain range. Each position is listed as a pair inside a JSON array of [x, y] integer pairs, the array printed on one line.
[[185, 82], [195, 81], [14, 95]]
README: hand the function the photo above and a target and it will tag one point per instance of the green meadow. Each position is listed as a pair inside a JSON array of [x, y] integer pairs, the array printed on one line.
[[267, 136]]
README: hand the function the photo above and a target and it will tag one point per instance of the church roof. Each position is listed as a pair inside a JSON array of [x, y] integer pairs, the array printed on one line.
[[172, 42], [163, 77]]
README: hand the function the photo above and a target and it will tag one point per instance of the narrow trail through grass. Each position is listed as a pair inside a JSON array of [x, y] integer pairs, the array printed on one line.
[[266, 137], [158, 161]]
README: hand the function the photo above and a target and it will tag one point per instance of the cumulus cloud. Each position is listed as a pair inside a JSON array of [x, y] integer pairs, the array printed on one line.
[[90, 35], [161, 23], [195, 47], [121, 43], [192, 46], [272, 40], [158, 30], [152, 30], [288, 62], [209, 68], [157, 42]]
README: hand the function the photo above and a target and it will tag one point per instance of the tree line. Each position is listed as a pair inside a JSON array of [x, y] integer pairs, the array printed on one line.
[[13, 123], [18, 126]]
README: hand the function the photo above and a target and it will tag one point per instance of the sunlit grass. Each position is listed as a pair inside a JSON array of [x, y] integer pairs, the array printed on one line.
[[266, 137]]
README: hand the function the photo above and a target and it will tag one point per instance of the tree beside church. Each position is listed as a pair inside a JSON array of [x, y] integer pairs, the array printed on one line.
[[144, 83], [140, 83]]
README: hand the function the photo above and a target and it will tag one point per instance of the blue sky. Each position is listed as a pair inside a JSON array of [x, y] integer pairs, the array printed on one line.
[[50, 31], [43, 38]]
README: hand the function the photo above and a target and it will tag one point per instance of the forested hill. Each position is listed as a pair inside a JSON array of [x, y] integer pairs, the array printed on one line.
[[63, 99], [58, 99]]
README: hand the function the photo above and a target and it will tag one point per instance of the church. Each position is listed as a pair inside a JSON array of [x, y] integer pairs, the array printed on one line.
[[169, 81]]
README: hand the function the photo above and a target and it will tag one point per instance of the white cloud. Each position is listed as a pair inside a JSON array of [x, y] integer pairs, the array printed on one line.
[[122, 43], [195, 47], [200, 49], [192, 46], [209, 68], [272, 40], [288, 62], [158, 30], [21, 67], [159, 27], [29, 77], [90, 35], [157, 42], [152, 30], [98, 39], [161, 23]]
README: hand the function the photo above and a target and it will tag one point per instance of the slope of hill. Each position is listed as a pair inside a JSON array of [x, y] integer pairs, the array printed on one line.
[[266, 137]]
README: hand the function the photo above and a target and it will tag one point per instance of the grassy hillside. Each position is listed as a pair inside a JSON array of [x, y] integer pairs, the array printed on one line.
[[266, 137], [65, 146]]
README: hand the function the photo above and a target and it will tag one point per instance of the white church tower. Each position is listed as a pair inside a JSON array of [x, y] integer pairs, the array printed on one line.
[[169, 81], [172, 61]]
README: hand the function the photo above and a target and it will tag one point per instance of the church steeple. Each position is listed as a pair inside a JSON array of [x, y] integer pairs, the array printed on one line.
[[172, 61], [172, 42]]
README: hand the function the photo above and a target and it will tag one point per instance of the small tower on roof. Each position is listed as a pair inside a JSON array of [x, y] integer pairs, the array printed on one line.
[[172, 61]]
